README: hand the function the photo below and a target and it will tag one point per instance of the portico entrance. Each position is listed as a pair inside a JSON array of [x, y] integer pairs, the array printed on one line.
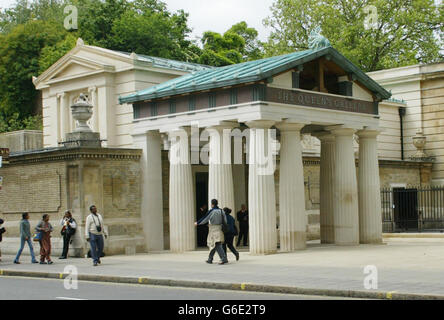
[[259, 109]]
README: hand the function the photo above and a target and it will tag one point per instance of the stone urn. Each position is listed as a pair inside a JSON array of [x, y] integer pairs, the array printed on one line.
[[419, 141], [82, 112]]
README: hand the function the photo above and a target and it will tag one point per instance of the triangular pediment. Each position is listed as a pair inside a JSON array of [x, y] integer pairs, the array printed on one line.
[[73, 65], [74, 68]]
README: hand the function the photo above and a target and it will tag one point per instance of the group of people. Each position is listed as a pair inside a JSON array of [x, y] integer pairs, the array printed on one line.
[[94, 233], [222, 230]]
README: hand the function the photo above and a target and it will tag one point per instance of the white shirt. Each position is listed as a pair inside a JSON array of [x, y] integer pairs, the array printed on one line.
[[72, 224], [90, 225]]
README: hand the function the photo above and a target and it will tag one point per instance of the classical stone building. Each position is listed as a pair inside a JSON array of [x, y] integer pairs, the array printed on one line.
[[317, 92], [316, 100], [421, 87], [102, 75]]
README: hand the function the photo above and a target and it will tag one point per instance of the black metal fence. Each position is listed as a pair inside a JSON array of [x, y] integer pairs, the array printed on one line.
[[413, 209]]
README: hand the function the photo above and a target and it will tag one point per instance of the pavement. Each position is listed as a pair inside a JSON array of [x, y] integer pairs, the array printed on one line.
[[407, 268]]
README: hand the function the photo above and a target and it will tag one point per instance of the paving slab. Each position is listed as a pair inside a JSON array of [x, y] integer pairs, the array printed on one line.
[[414, 266]]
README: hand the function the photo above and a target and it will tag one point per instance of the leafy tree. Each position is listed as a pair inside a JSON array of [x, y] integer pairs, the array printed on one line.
[[253, 47], [237, 45], [407, 31], [25, 10], [19, 61]]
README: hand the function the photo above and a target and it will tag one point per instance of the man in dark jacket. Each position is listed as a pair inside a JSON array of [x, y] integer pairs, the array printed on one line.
[[242, 217], [232, 232], [215, 219]]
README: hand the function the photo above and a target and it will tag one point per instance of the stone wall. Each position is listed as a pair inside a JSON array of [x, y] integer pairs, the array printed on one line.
[[53, 181], [22, 140]]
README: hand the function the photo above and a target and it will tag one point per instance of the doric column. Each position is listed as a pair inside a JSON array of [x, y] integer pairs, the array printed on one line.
[[151, 176], [345, 208], [220, 178], [181, 194], [326, 186], [370, 216], [292, 216], [261, 190], [95, 116]]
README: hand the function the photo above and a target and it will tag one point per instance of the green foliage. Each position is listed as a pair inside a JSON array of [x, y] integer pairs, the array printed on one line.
[[19, 61], [238, 44], [50, 54], [407, 31], [14, 123]]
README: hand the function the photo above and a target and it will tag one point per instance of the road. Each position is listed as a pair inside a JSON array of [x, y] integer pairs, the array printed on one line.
[[20, 288]]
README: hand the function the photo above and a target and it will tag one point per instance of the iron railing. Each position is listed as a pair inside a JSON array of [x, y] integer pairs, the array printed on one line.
[[413, 209]]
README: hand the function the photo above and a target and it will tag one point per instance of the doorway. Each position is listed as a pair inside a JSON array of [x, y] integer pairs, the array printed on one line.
[[201, 199], [405, 203]]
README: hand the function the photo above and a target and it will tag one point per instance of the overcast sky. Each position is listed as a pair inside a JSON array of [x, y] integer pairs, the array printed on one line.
[[215, 15]]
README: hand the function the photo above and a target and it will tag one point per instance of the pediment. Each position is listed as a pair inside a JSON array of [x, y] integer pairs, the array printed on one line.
[[73, 69], [69, 67]]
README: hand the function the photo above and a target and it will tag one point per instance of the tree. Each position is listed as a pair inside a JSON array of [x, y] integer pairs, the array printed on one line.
[[253, 47], [19, 61], [238, 44], [406, 31]]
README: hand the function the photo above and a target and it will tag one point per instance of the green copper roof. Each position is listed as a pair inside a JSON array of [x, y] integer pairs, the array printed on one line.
[[170, 64], [251, 71]]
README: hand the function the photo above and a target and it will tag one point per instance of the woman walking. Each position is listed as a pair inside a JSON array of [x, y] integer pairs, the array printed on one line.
[[45, 228]]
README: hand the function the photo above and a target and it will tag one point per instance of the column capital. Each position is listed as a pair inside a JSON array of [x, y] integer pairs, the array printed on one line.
[[61, 95], [290, 126], [223, 125], [324, 136], [341, 131], [260, 124], [368, 133]]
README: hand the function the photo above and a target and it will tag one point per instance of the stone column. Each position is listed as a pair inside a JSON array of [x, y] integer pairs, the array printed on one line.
[[370, 216], [64, 115], [261, 191], [292, 215], [152, 201], [345, 201], [181, 194], [327, 175], [220, 177], [95, 116], [106, 115]]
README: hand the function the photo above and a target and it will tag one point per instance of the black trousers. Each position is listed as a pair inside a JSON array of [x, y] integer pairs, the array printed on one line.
[[229, 243], [66, 240], [220, 252], [243, 234]]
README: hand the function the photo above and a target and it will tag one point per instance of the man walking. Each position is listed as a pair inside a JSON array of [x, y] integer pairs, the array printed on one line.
[[94, 232], [25, 236], [215, 218], [230, 234], [242, 217]]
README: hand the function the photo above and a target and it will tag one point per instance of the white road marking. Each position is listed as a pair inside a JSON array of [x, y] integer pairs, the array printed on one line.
[[67, 298]]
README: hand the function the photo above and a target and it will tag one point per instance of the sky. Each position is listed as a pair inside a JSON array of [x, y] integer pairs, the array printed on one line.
[[215, 15]]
